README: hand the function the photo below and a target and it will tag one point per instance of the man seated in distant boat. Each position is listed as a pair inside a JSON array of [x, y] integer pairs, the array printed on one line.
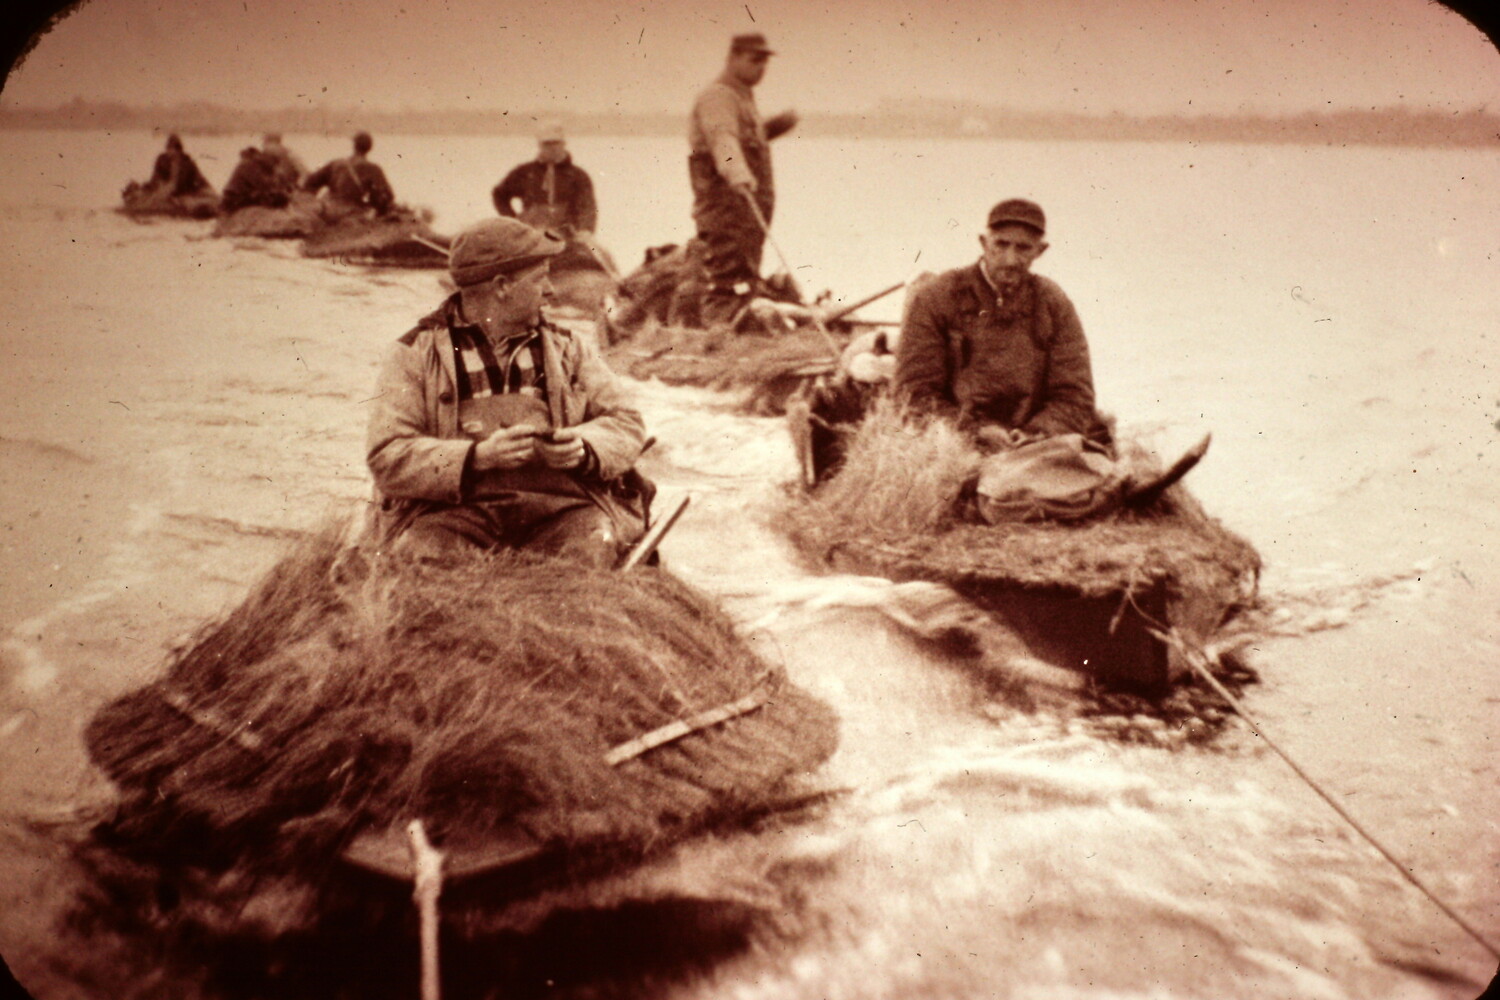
[[255, 181], [492, 427], [354, 185], [289, 169], [550, 192], [996, 348], [175, 173], [176, 187]]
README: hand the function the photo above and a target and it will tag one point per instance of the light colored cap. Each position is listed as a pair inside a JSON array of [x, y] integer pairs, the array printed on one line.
[[498, 246]]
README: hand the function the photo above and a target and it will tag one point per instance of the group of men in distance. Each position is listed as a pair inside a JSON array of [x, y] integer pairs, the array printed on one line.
[[271, 175], [492, 427]]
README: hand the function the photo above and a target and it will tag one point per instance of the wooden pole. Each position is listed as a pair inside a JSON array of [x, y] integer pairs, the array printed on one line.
[[839, 314], [765, 227], [427, 864], [651, 539]]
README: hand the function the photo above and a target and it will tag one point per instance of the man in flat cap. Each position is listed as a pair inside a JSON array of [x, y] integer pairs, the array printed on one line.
[[356, 186], [492, 427], [550, 192], [996, 348], [729, 165]]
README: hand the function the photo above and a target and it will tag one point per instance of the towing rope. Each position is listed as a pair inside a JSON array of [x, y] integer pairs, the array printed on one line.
[[1199, 662]]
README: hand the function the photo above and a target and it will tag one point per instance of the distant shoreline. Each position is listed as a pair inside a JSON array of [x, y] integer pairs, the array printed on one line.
[[1375, 127]]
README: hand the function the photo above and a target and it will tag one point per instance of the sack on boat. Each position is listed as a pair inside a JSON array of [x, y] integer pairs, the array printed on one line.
[[1061, 478]]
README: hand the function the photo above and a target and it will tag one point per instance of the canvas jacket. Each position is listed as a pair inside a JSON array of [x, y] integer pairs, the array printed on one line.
[[414, 447], [1030, 372], [571, 205], [353, 180], [726, 125]]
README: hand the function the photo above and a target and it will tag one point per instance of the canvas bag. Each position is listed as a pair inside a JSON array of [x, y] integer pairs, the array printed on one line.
[[1062, 478]]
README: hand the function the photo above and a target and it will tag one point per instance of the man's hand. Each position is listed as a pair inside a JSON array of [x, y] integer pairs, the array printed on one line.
[[562, 449], [507, 448], [1003, 438], [745, 189], [781, 124]]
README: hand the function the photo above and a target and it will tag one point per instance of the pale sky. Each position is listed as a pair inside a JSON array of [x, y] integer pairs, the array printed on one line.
[[1090, 56]]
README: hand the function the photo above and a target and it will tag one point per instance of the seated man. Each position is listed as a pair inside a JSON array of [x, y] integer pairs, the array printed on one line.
[[289, 169], [354, 184], [255, 181], [552, 192], [175, 173], [996, 348], [492, 427]]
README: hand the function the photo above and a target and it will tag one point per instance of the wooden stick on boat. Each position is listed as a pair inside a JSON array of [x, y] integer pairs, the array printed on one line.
[[652, 538], [765, 227], [683, 727], [429, 244], [839, 314], [427, 864]]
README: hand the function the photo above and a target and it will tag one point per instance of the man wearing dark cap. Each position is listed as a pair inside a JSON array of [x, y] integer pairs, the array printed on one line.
[[729, 165], [996, 348], [492, 427], [355, 185]]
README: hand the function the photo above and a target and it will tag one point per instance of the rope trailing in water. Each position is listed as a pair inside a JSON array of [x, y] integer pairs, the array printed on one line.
[[1199, 662]]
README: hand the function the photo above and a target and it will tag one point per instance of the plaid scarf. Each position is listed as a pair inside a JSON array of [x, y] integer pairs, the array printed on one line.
[[481, 370]]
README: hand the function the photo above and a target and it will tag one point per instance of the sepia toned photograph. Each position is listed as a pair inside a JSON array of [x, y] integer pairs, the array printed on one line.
[[700, 499]]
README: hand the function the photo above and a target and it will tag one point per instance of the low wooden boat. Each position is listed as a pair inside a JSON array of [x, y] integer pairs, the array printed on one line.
[[140, 202], [774, 349], [1125, 597], [540, 728], [401, 238], [298, 219]]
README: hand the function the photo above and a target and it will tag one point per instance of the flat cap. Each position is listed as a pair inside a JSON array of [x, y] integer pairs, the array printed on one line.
[[752, 42], [1027, 213], [498, 246]]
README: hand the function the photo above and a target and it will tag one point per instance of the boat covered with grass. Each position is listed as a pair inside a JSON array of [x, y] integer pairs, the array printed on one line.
[[547, 725], [779, 342], [140, 201], [1127, 596]]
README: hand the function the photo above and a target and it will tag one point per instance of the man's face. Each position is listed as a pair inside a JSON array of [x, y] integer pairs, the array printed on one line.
[[519, 297], [552, 151], [748, 67], [1008, 251]]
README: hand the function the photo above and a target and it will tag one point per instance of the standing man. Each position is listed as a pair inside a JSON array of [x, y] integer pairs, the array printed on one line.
[[492, 427], [996, 348], [553, 193], [730, 164], [355, 185]]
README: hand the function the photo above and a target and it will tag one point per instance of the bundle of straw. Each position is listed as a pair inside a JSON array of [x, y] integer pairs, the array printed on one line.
[[352, 692], [897, 508]]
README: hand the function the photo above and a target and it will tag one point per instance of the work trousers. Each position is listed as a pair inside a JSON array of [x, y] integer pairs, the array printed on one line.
[[733, 240], [583, 532]]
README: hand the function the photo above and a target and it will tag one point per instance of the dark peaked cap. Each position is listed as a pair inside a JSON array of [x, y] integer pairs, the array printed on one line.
[[753, 42], [1027, 213], [498, 246]]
